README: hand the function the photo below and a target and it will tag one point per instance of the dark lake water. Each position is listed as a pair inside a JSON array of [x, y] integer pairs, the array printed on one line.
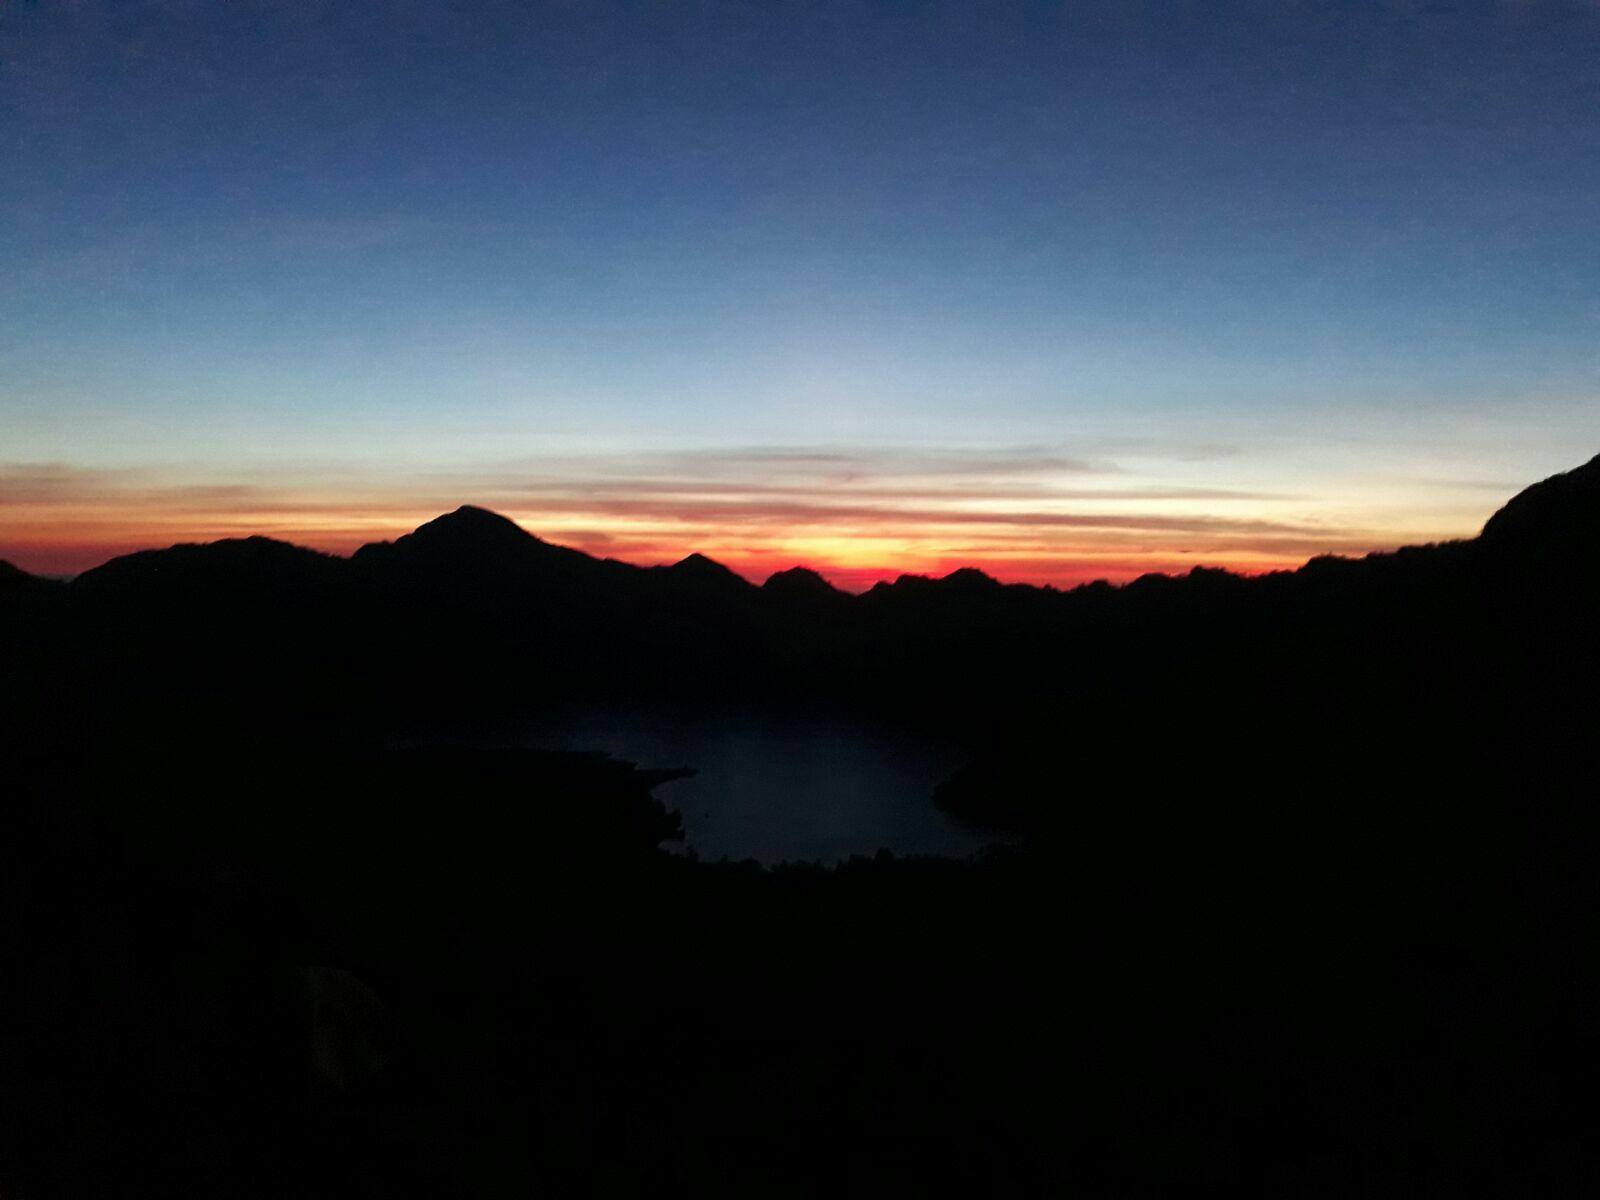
[[774, 789]]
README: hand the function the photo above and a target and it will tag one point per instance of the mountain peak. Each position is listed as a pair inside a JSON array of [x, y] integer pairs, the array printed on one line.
[[799, 582], [698, 566], [467, 534], [478, 524], [970, 578]]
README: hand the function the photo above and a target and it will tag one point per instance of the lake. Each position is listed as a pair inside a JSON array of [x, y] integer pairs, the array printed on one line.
[[771, 788]]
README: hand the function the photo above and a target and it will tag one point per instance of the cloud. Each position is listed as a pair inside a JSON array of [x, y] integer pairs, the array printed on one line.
[[1171, 450], [761, 510], [54, 483], [818, 462], [561, 490]]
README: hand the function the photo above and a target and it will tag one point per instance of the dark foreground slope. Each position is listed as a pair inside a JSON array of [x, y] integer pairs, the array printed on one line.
[[456, 973], [1304, 900]]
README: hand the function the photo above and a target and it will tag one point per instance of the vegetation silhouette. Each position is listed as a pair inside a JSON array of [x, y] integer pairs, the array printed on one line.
[[1300, 898]]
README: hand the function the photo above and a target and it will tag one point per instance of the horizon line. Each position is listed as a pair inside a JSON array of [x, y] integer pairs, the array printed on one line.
[[874, 518], [879, 575]]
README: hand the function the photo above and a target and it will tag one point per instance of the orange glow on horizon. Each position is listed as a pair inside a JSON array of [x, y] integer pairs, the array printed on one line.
[[72, 546], [757, 515]]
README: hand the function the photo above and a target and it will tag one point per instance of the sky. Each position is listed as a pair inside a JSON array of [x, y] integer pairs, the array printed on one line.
[[1063, 292]]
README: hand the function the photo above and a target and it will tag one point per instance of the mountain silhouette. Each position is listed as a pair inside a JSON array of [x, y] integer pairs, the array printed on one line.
[[471, 596], [970, 579], [802, 585], [1295, 894], [476, 544], [468, 537], [470, 524], [1550, 528], [13, 577], [1558, 513], [471, 604], [1564, 508], [233, 564], [702, 572]]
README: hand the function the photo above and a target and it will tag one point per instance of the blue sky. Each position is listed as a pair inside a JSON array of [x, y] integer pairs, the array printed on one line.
[[359, 259]]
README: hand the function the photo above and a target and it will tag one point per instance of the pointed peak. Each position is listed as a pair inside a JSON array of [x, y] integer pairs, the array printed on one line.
[[698, 566], [473, 521]]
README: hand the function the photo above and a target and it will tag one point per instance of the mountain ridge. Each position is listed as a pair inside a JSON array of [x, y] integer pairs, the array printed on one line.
[[1562, 509]]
